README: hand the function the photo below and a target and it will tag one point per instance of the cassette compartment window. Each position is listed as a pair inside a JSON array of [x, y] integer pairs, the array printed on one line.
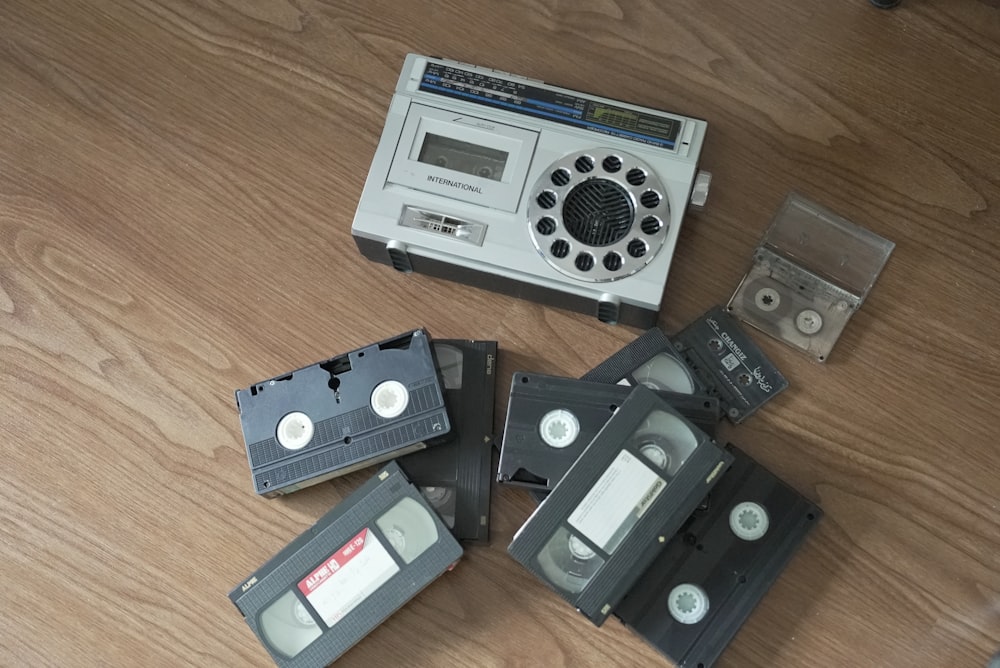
[[462, 156]]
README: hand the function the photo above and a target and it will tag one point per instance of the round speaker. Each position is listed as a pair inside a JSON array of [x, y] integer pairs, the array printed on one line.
[[598, 215]]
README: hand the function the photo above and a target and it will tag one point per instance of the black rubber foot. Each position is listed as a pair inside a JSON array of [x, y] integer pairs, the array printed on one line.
[[885, 4]]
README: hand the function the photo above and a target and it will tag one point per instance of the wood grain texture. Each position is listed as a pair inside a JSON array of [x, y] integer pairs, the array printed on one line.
[[177, 182]]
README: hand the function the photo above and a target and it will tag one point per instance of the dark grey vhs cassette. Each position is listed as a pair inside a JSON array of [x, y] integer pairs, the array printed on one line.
[[454, 472], [348, 412], [551, 420], [692, 600], [728, 361], [616, 507], [357, 565]]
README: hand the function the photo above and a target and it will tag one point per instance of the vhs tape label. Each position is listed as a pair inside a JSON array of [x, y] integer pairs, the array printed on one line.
[[348, 577], [613, 506]]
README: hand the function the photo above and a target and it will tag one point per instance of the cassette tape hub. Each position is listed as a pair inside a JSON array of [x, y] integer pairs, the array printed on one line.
[[362, 561], [509, 184], [348, 412]]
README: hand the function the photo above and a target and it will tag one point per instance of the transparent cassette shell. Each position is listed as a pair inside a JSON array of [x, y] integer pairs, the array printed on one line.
[[811, 272]]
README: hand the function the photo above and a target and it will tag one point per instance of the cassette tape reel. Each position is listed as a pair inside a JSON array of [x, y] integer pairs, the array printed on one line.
[[454, 471], [568, 562], [630, 490], [348, 412], [288, 626], [411, 530], [356, 566], [443, 499], [694, 597], [585, 196], [651, 360], [811, 272]]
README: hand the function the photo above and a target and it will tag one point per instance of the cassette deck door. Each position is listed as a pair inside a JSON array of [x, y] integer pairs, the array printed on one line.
[[463, 157]]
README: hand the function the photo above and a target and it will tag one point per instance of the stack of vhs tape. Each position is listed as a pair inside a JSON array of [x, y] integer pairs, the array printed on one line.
[[642, 515], [428, 406]]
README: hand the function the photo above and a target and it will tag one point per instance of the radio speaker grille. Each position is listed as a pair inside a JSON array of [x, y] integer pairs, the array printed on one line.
[[597, 212]]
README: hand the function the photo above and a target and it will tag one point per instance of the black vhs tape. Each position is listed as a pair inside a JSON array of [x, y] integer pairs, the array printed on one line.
[[351, 411], [454, 472], [692, 600], [357, 565], [551, 420], [618, 504], [712, 355]]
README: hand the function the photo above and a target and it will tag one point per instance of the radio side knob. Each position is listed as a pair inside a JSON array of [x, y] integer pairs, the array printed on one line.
[[699, 193]]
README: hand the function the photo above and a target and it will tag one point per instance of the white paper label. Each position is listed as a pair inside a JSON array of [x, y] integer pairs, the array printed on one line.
[[616, 502], [730, 361], [348, 577]]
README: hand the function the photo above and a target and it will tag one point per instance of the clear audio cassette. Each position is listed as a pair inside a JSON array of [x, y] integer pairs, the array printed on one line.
[[455, 471], [624, 497], [811, 272], [340, 415], [699, 591], [339, 580], [525, 188], [551, 420]]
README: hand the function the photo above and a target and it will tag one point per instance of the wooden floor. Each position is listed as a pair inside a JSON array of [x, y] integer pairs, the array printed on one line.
[[177, 183]]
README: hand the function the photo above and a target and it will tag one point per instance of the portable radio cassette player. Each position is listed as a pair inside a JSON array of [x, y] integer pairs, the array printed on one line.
[[529, 189]]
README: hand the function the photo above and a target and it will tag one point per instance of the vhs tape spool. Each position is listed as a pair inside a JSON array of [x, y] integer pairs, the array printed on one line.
[[339, 580], [651, 360], [699, 591], [811, 272], [728, 361], [454, 472], [551, 420], [585, 195], [340, 415], [618, 504]]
